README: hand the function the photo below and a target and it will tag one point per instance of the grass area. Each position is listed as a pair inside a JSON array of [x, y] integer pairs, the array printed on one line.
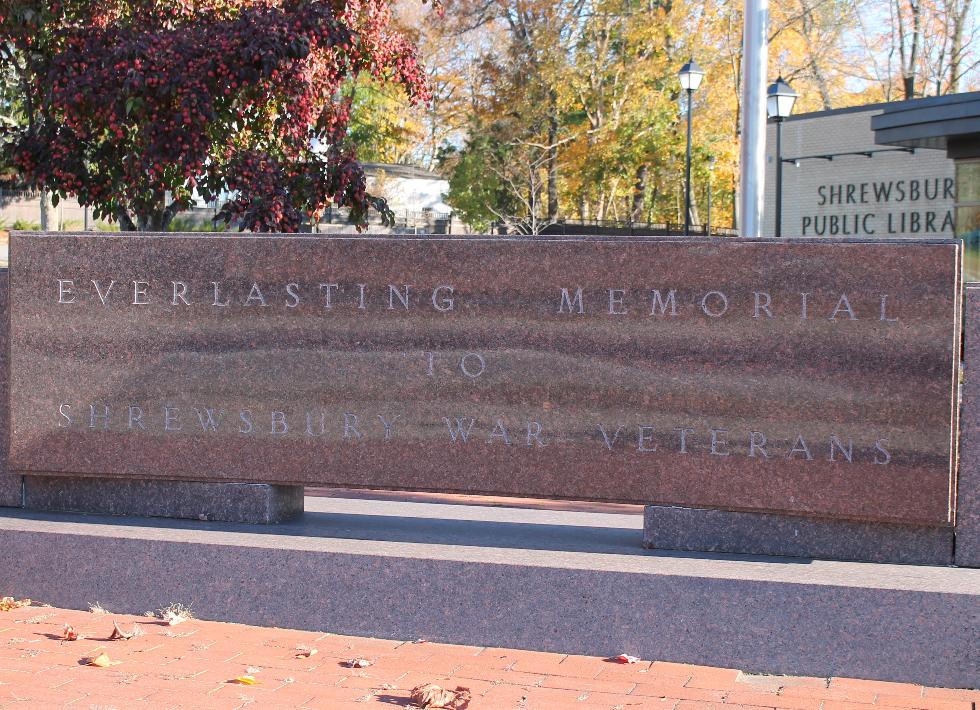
[[971, 263], [186, 224]]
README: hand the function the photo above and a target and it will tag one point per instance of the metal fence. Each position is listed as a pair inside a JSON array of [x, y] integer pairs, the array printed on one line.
[[427, 222], [622, 228], [7, 196], [408, 221]]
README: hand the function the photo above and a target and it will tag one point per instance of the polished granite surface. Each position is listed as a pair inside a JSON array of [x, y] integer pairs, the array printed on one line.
[[795, 376]]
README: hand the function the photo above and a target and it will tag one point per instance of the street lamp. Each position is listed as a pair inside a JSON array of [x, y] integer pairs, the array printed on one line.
[[690, 76], [780, 98]]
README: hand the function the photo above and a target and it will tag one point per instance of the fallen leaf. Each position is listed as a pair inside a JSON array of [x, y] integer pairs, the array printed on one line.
[[118, 633], [9, 603], [100, 661], [306, 652], [69, 634], [624, 658], [358, 663], [432, 696], [246, 680], [176, 614]]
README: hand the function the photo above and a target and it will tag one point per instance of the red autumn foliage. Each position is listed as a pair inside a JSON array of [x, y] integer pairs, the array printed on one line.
[[129, 102]]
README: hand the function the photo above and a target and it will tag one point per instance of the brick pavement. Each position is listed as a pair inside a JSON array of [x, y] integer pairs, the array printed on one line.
[[194, 664]]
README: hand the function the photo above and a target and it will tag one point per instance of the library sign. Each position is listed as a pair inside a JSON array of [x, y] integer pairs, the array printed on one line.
[[891, 207]]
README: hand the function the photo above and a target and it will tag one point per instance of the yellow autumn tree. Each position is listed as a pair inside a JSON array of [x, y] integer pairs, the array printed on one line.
[[571, 109]]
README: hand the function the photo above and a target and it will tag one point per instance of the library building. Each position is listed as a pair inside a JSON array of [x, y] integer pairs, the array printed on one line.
[[906, 169]]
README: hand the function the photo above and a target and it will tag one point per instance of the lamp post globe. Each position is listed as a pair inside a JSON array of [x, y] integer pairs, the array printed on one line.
[[780, 98], [690, 77]]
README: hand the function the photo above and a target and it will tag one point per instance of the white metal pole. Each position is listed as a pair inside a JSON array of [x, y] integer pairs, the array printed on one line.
[[753, 149]]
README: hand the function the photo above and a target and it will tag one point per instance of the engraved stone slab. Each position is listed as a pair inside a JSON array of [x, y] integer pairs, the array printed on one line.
[[10, 484], [798, 377]]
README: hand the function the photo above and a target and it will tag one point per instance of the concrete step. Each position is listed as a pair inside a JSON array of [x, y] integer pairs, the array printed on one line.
[[568, 581]]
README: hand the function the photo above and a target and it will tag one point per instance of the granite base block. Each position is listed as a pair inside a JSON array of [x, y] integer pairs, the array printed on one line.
[[10, 491], [696, 529], [225, 502], [565, 582], [968, 484]]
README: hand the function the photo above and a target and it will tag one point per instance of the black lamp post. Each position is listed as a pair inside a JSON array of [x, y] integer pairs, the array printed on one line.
[[690, 76], [780, 98]]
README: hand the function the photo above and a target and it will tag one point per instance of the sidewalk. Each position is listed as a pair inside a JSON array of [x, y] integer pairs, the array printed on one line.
[[195, 664]]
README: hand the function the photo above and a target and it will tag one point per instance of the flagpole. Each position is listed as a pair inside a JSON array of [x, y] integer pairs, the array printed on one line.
[[753, 149]]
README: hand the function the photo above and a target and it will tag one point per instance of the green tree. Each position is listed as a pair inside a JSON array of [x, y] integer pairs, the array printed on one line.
[[383, 127], [477, 192]]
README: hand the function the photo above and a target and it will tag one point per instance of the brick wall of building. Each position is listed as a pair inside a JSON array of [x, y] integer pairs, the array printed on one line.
[[889, 195]]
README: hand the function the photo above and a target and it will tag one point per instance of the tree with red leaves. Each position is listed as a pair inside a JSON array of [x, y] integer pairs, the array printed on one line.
[[131, 106]]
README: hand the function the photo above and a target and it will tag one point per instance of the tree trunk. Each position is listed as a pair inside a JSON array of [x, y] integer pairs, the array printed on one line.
[[735, 215], [126, 223], [639, 192], [908, 86], [909, 57], [552, 155], [45, 211], [956, 50], [916, 6], [821, 85], [154, 220], [695, 216], [815, 69]]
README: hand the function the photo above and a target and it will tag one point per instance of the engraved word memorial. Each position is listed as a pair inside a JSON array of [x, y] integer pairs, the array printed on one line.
[[783, 376]]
